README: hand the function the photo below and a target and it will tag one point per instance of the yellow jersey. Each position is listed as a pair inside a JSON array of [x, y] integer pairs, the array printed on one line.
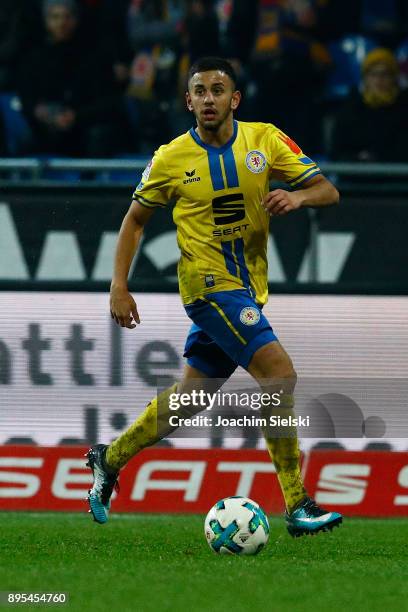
[[222, 227]]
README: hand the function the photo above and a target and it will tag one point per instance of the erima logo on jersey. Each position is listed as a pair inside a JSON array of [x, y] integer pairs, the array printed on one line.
[[192, 178]]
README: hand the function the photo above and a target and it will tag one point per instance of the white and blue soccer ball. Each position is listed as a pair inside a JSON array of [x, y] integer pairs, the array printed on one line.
[[236, 525]]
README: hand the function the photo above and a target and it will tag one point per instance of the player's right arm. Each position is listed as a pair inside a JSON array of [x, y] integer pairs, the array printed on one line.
[[154, 191], [122, 305]]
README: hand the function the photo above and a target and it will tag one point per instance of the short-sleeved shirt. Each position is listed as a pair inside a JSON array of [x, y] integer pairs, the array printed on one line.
[[222, 227]]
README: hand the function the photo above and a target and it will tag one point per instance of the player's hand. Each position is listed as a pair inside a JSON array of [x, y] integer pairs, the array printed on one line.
[[123, 308], [279, 202]]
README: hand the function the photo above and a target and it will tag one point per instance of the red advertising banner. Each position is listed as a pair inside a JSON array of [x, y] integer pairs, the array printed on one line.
[[181, 480], [366, 483]]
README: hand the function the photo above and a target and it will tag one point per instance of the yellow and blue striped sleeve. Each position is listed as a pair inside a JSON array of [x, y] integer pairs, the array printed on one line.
[[290, 164], [155, 187]]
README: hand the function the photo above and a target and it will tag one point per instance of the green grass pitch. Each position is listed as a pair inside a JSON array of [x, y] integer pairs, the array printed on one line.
[[162, 562]]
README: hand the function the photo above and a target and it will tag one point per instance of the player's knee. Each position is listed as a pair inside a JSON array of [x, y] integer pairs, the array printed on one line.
[[272, 361], [287, 377], [291, 379], [283, 366], [290, 372]]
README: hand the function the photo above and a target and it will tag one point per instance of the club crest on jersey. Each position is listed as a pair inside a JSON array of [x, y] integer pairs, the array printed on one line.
[[255, 161], [249, 315]]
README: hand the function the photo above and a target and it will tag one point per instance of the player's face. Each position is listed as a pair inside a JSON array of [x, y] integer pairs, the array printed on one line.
[[212, 98], [61, 23]]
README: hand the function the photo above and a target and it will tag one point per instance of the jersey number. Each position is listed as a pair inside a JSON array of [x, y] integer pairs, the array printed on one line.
[[228, 208]]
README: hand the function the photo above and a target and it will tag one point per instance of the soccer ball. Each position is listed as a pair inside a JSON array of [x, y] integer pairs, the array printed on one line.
[[236, 525]]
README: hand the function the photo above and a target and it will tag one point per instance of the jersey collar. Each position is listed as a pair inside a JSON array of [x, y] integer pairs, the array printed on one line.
[[208, 147]]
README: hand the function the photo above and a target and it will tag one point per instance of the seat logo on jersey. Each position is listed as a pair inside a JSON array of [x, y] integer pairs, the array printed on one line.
[[249, 315], [255, 161], [228, 208]]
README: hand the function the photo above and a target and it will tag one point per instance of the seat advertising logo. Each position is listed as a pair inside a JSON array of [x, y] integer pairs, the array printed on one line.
[[228, 208]]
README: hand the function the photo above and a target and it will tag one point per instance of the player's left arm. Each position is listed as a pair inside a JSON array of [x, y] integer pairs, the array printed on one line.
[[317, 191]]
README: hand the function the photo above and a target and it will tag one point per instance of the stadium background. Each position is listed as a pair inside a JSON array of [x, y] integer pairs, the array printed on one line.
[[338, 280]]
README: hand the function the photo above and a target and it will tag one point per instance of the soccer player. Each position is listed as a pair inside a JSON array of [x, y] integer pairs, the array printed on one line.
[[219, 175]]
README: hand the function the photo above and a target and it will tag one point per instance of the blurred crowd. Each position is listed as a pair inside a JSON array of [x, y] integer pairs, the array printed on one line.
[[105, 78]]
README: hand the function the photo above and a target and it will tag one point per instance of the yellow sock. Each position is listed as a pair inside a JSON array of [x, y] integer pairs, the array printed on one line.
[[150, 427], [284, 451]]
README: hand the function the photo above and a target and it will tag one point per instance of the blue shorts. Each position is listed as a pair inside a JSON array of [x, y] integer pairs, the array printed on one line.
[[228, 327]]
